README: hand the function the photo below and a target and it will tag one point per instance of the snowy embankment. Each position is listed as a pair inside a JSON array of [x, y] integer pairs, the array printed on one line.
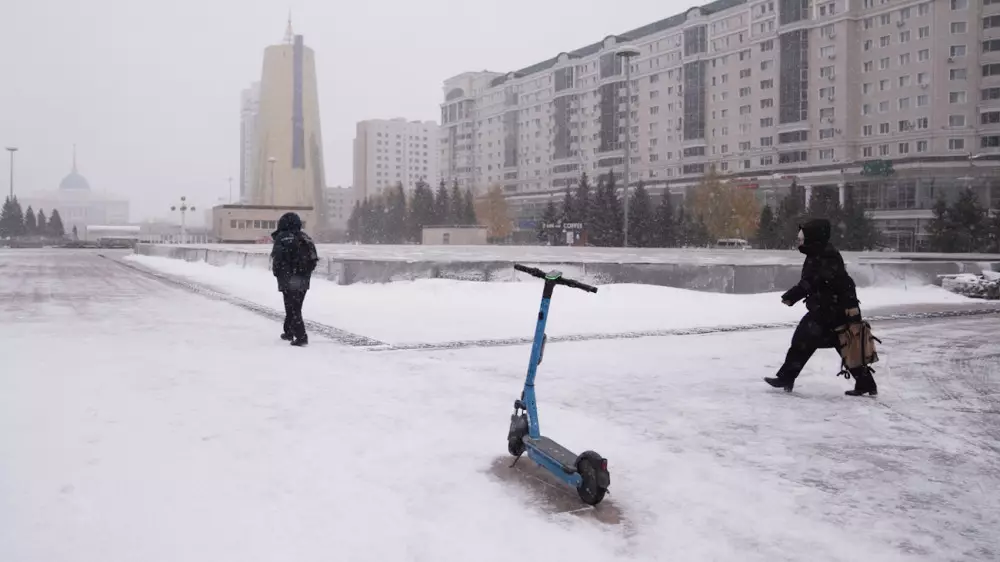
[[400, 312]]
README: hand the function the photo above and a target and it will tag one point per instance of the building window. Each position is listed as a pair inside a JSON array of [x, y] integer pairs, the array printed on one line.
[[959, 4], [956, 97], [826, 154], [922, 146], [958, 27], [990, 141], [867, 152], [904, 148], [957, 74], [956, 144], [956, 120]]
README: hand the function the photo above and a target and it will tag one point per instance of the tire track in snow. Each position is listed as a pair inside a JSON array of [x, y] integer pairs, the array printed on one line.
[[371, 344]]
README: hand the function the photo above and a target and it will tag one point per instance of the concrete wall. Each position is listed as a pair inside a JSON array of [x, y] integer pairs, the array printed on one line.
[[457, 235], [716, 278]]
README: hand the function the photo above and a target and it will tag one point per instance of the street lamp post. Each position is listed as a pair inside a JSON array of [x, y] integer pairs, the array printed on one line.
[[183, 208], [230, 190], [271, 161], [626, 54], [12, 150]]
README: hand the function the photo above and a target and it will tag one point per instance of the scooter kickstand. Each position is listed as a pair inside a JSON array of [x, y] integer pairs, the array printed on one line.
[[517, 458]]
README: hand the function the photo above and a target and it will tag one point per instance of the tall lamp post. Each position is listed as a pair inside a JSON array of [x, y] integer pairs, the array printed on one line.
[[230, 190], [12, 150], [626, 53], [183, 208], [271, 161]]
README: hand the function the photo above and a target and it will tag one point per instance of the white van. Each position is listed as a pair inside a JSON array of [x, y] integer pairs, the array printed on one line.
[[732, 244]]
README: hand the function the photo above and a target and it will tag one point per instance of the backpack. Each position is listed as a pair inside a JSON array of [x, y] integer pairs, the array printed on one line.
[[306, 257]]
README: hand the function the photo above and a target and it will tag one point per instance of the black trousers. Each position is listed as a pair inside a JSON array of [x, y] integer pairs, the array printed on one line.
[[811, 334], [294, 324]]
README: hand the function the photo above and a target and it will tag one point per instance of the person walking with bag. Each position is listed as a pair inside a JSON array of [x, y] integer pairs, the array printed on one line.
[[293, 259], [833, 309]]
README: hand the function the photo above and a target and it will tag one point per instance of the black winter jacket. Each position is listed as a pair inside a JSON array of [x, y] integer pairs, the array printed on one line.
[[825, 284], [293, 255]]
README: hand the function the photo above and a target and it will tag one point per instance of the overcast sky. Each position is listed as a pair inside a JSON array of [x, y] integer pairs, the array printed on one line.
[[150, 90]]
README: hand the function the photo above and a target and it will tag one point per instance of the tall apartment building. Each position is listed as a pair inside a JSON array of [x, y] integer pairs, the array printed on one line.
[[766, 92], [288, 163], [391, 151], [249, 108]]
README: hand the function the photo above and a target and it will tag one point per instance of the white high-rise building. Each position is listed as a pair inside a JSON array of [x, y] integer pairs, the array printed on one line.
[[765, 91], [391, 151], [249, 110]]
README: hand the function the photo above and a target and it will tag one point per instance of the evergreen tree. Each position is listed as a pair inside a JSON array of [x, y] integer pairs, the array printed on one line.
[[607, 215], [767, 229], [641, 220], [395, 215], [824, 203], [665, 223], [469, 209], [790, 215], [859, 230], [7, 219], [442, 209], [549, 217], [682, 227], [942, 234], [995, 233], [56, 229], [41, 223], [457, 206], [568, 211], [968, 219], [30, 226], [354, 223], [421, 212], [11, 219]]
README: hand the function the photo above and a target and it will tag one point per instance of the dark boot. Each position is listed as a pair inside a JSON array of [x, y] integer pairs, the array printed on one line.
[[864, 383], [778, 382], [300, 342], [287, 337]]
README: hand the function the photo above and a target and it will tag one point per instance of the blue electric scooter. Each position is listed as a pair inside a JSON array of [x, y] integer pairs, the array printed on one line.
[[588, 471]]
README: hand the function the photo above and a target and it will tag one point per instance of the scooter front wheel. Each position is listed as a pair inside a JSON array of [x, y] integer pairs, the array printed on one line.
[[593, 476]]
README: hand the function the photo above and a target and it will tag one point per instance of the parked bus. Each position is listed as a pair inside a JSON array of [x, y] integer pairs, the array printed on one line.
[[113, 236]]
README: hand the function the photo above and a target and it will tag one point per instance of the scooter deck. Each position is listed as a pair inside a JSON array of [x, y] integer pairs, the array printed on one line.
[[555, 451]]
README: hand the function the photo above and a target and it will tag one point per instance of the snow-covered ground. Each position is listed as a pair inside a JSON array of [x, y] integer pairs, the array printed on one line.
[[142, 422], [440, 310], [574, 254]]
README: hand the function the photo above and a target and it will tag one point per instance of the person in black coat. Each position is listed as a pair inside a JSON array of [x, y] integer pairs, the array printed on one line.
[[829, 292], [293, 259]]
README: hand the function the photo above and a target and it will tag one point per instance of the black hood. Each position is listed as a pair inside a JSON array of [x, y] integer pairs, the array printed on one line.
[[289, 222], [815, 235]]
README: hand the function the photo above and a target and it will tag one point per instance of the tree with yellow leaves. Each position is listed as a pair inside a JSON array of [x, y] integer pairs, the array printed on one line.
[[727, 211], [493, 213]]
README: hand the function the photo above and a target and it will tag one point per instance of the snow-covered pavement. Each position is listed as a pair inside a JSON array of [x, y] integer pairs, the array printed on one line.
[[142, 422]]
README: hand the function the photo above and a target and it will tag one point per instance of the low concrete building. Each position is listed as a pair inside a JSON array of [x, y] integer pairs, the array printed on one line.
[[248, 224], [454, 235]]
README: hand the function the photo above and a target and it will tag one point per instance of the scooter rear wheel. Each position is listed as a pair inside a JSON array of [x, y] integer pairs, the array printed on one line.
[[515, 446], [589, 490]]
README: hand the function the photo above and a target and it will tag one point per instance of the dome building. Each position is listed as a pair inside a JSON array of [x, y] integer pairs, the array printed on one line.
[[78, 205]]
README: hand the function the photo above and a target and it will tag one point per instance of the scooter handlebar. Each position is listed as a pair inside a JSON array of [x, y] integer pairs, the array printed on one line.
[[578, 285], [535, 272]]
